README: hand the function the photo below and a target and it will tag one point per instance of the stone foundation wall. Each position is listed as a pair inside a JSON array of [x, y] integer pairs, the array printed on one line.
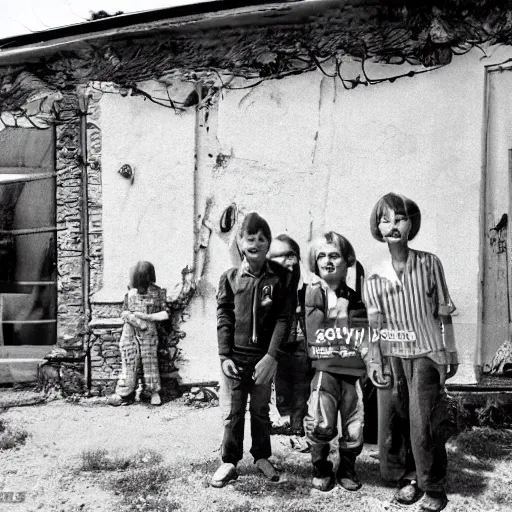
[[105, 357]]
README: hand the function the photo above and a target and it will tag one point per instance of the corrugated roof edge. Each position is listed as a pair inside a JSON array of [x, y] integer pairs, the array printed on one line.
[[137, 18]]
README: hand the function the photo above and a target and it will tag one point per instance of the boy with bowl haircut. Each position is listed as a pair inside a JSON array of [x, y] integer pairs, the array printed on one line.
[[331, 307], [255, 303], [409, 304]]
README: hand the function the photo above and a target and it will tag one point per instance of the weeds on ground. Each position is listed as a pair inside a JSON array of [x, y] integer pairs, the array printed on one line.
[[144, 489], [10, 437], [139, 479], [485, 443], [101, 460]]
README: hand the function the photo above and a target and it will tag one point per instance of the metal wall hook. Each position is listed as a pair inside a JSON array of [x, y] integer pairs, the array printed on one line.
[[127, 172]]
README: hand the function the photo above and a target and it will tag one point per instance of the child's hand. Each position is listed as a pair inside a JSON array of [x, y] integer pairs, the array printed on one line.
[[377, 376], [340, 310], [265, 369], [229, 369], [447, 372]]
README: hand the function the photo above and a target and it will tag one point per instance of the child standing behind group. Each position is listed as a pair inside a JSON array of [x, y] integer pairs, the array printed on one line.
[[255, 303], [293, 375]]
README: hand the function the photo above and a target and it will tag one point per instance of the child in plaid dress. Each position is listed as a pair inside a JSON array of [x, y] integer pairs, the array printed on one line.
[[144, 305]]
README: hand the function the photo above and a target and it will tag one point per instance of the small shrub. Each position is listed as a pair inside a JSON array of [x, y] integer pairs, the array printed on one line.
[[10, 437], [485, 443]]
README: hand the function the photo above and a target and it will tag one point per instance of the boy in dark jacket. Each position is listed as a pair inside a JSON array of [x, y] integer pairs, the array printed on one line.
[[255, 303]]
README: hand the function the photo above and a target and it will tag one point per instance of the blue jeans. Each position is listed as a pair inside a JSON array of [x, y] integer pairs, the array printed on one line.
[[233, 403], [411, 412]]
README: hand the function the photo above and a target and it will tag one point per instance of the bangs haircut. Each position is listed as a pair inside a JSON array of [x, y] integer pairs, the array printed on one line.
[[253, 223], [142, 275], [401, 205], [340, 242], [291, 242]]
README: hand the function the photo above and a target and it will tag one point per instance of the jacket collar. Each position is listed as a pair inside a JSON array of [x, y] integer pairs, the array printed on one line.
[[245, 271]]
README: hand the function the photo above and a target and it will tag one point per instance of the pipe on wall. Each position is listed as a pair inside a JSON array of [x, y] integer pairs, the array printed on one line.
[[83, 103]]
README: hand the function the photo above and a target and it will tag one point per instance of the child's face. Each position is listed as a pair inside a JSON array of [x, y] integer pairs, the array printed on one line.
[[394, 227], [255, 247], [332, 267], [282, 253]]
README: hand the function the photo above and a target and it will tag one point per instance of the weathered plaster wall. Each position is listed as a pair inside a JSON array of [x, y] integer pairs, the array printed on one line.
[[151, 219], [309, 155]]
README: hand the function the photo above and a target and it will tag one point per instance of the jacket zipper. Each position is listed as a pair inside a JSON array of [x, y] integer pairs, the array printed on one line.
[[254, 338]]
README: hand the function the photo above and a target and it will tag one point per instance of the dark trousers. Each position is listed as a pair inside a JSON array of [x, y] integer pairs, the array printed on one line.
[[233, 402], [293, 378], [333, 395], [411, 445]]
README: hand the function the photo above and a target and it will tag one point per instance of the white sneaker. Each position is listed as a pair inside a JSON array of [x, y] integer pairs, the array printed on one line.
[[155, 399], [224, 474]]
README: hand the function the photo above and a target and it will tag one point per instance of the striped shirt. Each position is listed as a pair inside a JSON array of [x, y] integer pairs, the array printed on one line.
[[409, 309]]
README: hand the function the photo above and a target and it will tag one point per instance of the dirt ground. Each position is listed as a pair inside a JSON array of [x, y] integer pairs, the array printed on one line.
[[48, 466]]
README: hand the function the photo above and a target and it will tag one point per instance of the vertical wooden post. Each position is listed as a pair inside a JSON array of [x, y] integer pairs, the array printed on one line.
[[509, 245]]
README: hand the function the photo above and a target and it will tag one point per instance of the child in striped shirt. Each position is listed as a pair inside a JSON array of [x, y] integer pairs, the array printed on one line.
[[409, 304]]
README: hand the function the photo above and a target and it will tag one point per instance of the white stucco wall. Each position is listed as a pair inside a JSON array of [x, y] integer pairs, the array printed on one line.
[[309, 155], [153, 218]]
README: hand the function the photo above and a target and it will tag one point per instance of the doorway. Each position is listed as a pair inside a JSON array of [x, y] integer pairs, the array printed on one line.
[[28, 278]]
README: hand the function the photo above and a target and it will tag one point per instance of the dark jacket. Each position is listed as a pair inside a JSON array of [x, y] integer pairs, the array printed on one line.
[[345, 357], [254, 314]]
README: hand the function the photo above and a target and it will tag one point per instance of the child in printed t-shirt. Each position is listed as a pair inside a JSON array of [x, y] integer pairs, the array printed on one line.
[[144, 305], [255, 303], [293, 376], [409, 304], [331, 306]]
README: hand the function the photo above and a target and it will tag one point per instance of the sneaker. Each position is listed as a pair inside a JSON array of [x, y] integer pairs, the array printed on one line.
[[348, 479], [117, 400], [408, 494], [224, 474], [266, 467], [324, 483], [155, 399], [433, 501], [300, 444]]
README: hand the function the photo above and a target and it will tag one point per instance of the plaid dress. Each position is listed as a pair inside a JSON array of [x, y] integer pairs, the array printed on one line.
[[139, 347]]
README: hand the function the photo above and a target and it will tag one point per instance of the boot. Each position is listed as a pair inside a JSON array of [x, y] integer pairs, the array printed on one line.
[[346, 474], [323, 475]]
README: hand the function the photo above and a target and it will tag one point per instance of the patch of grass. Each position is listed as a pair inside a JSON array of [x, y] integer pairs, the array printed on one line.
[[10, 437], [101, 460], [153, 504], [143, 482], [246, 506]]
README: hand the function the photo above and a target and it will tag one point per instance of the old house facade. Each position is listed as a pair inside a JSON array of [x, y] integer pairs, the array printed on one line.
[[307, 112]]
